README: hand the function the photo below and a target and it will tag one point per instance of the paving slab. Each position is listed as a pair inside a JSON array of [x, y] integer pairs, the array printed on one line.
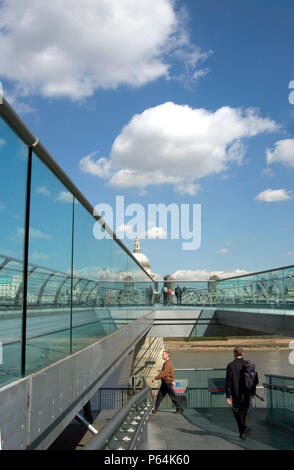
[[167, 431], [262, 434], [195, 429]]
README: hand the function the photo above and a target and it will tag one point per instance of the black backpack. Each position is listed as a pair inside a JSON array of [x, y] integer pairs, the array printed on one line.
[[249, 375]]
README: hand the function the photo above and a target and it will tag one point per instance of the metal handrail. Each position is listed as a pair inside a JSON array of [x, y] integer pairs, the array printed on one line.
[[255, 273], [139, 428], [17, 125], [281, 388], [99, 441], [279, 376]]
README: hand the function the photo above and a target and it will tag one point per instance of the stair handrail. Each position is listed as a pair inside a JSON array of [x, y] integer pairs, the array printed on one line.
[[100, 440]]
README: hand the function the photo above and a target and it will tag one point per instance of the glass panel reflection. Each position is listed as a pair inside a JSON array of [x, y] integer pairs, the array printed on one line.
[[91, 314], [13, 171], [289, 289], [50, 247], [79, 288]]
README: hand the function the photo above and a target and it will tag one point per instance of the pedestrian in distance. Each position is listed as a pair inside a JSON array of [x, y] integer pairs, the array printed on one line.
[[164, 296], [170, 297], [167, 377], [241, 382], [178, 293]]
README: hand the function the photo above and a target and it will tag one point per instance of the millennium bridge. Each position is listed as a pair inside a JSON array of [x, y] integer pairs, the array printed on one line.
[[80, 316]]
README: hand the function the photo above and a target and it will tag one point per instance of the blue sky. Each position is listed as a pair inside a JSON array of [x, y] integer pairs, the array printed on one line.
[[165, 101]]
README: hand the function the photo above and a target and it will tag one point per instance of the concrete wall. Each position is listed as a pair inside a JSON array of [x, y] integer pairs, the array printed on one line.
[[266, 323], [211, 322], [149, 359], [36, 409], [174, 323]]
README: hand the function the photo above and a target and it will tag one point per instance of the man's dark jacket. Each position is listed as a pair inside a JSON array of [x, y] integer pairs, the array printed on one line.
[[235, 382], [178, 291]]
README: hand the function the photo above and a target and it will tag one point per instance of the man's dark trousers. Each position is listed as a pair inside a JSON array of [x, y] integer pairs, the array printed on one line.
[[240, 407], [166, 388]]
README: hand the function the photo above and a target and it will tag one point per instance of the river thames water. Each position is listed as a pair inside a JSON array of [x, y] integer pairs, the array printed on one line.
[[267, 362]]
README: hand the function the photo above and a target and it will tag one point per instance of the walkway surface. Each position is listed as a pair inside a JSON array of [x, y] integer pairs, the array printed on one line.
[[201, 429], [167, 431], [213, 429]]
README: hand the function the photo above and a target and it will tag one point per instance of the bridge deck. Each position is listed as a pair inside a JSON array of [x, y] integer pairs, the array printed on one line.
[[213, 429], [202, 429]]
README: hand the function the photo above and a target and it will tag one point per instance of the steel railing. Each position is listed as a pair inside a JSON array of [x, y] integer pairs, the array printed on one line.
[[125, 429]]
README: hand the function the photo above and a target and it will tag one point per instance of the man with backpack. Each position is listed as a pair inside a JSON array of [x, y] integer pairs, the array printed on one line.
[[241, 382]]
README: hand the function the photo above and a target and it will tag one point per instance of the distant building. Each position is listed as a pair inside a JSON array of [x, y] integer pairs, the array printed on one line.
[[9, 286], [212, 283], [141, 258]]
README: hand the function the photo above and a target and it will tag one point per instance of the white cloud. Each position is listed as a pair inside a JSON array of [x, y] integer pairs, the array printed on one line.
[[71, 48], [35, 234], [100, 167], [187, 187], [178, 145], [203, 275], [62, 196], [103, 275], [283, 153], [13, 99], [130, 231], [125, 229], [201, 73], [223, 251], [267, 172], [39, 257], [93, 272], [2, 143], [2, 206], [156, 232], [43, 190], [129, 177], [276, 195], [39, 235]]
